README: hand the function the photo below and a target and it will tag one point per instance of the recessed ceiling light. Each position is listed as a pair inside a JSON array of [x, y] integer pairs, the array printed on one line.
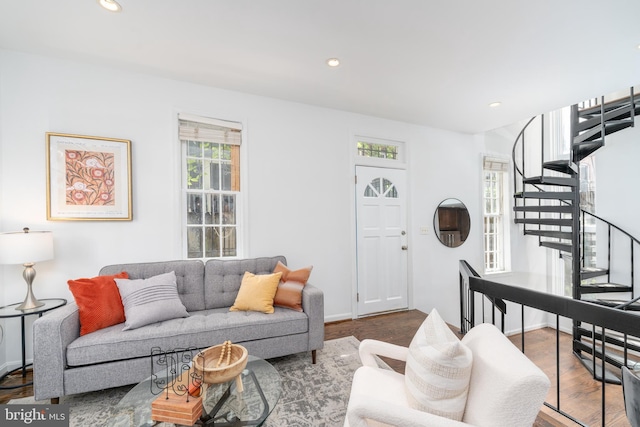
[[495, 104], [333, 62], [110, 5]]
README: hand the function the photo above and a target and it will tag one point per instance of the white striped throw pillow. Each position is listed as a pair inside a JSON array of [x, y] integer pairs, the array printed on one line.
[[438, 370]]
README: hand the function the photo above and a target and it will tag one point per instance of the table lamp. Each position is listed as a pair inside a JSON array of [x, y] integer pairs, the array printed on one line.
[[26, 248]]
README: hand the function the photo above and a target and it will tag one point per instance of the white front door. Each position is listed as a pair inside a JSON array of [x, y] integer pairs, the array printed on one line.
[[381, 196]]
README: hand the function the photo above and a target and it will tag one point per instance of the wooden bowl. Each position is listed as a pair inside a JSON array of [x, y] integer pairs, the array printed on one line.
[[205, 364]]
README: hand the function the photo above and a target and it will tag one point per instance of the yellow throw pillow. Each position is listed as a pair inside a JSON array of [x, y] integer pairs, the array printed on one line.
[[256, 292]]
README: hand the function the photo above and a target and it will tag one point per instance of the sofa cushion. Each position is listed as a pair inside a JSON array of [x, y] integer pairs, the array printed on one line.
[[201, 329], [438, 370], [189, 277], [222, 277], [99, 302], [150, 300]]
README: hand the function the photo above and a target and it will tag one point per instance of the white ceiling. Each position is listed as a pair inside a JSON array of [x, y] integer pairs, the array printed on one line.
[[437, 63]]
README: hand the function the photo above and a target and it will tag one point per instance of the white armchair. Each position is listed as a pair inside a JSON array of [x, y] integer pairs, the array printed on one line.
[[506, 389]]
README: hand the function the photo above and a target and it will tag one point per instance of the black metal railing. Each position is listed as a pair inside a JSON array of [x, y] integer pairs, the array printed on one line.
[[632, 243], [606, 319]]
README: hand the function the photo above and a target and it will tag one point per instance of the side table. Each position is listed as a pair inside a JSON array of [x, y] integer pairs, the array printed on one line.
[[10, 311]]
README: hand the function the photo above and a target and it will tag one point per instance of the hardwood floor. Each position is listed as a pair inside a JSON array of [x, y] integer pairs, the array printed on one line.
[[580, 394]]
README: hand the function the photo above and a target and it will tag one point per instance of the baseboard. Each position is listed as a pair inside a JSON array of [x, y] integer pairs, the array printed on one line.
[[528, 329], [11, 366], [338, 317]]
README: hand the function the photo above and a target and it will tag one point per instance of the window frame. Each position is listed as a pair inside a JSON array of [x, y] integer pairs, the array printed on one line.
[[239, 194], [501, 233]]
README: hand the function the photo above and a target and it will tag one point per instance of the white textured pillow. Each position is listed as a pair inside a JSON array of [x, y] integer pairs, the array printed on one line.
[[438, 370], [150, 300]]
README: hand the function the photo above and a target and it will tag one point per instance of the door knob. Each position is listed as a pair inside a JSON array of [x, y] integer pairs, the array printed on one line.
[[404, 248]]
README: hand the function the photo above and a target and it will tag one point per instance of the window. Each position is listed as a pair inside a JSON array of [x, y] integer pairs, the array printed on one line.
[[381, 187], [496, 220], [380, 151], [211, 186]]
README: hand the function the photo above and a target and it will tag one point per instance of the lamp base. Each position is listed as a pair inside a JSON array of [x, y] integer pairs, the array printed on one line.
[[30, 300]]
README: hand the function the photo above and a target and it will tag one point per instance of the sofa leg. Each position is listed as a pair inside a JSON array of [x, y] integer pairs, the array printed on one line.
[[313, 357], [55, 400]]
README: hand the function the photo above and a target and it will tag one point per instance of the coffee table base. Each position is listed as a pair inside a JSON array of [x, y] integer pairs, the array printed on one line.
[[210, 419]]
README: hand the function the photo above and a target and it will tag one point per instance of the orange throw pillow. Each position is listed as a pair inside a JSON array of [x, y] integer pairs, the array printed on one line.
[[289, 293], [98, 301]]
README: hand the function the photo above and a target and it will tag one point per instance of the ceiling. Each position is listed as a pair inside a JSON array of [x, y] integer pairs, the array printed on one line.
[[435, 63]]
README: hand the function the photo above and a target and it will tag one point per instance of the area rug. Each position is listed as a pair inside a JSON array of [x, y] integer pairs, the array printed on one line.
[[312, 395]]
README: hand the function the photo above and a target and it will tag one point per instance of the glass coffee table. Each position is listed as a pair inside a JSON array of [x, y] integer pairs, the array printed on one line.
[[223, 405]]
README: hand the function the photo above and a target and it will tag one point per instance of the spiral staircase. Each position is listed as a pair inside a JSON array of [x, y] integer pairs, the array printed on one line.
[[548, 207]]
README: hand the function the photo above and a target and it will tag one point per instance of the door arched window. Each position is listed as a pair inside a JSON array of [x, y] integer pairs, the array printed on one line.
[[381, 187]]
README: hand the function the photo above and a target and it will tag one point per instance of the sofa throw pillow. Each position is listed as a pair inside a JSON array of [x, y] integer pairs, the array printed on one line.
[[256, 292], [98, 301], [438, 370], [289, 292], [150, 300]]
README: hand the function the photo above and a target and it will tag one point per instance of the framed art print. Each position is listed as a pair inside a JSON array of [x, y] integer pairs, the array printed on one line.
[[88, 178]]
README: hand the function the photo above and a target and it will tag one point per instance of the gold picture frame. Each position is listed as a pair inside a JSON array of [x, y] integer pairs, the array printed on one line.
[[88, 178]]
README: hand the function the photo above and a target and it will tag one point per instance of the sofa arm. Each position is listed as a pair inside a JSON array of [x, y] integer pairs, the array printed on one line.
[[370, 348], [52, 333], [313, 306]]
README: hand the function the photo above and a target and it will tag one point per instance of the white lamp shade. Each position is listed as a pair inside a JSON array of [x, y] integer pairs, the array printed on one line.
[[22, 248]]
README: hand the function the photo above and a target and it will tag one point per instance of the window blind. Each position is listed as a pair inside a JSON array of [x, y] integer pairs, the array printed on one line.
[[495, 164], [204, 129]]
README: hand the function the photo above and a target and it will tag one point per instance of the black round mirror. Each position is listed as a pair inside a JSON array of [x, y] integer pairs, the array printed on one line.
[[451, 222]]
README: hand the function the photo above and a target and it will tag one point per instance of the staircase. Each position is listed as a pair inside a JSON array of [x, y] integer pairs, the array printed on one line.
[[548, 206]]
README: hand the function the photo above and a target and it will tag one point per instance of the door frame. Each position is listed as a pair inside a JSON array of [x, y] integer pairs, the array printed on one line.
[[356, 160]]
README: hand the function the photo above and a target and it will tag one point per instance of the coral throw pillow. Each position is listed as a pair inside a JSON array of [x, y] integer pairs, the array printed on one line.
[[99, 302], [438, 370], [256, 292], [289, 293]]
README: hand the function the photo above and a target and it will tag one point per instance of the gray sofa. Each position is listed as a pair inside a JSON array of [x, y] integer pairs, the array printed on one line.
[[66, 363]]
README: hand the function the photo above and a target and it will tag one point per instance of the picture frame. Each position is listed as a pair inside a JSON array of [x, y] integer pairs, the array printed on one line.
[[88, 178]]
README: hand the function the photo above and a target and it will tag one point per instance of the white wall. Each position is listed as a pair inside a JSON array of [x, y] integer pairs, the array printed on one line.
[[299, 181]]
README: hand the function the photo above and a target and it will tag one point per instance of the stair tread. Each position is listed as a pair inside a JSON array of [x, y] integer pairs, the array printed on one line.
[[563, 166], [584, 149], [609, 376], [557, 195], [566, 247], [567, 235], [544, 208], [615, 103], [551, 180], [607, 284], [589, 272], [605, 287], [616, 302], [545, 221], [612, 111], [610, 126]]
